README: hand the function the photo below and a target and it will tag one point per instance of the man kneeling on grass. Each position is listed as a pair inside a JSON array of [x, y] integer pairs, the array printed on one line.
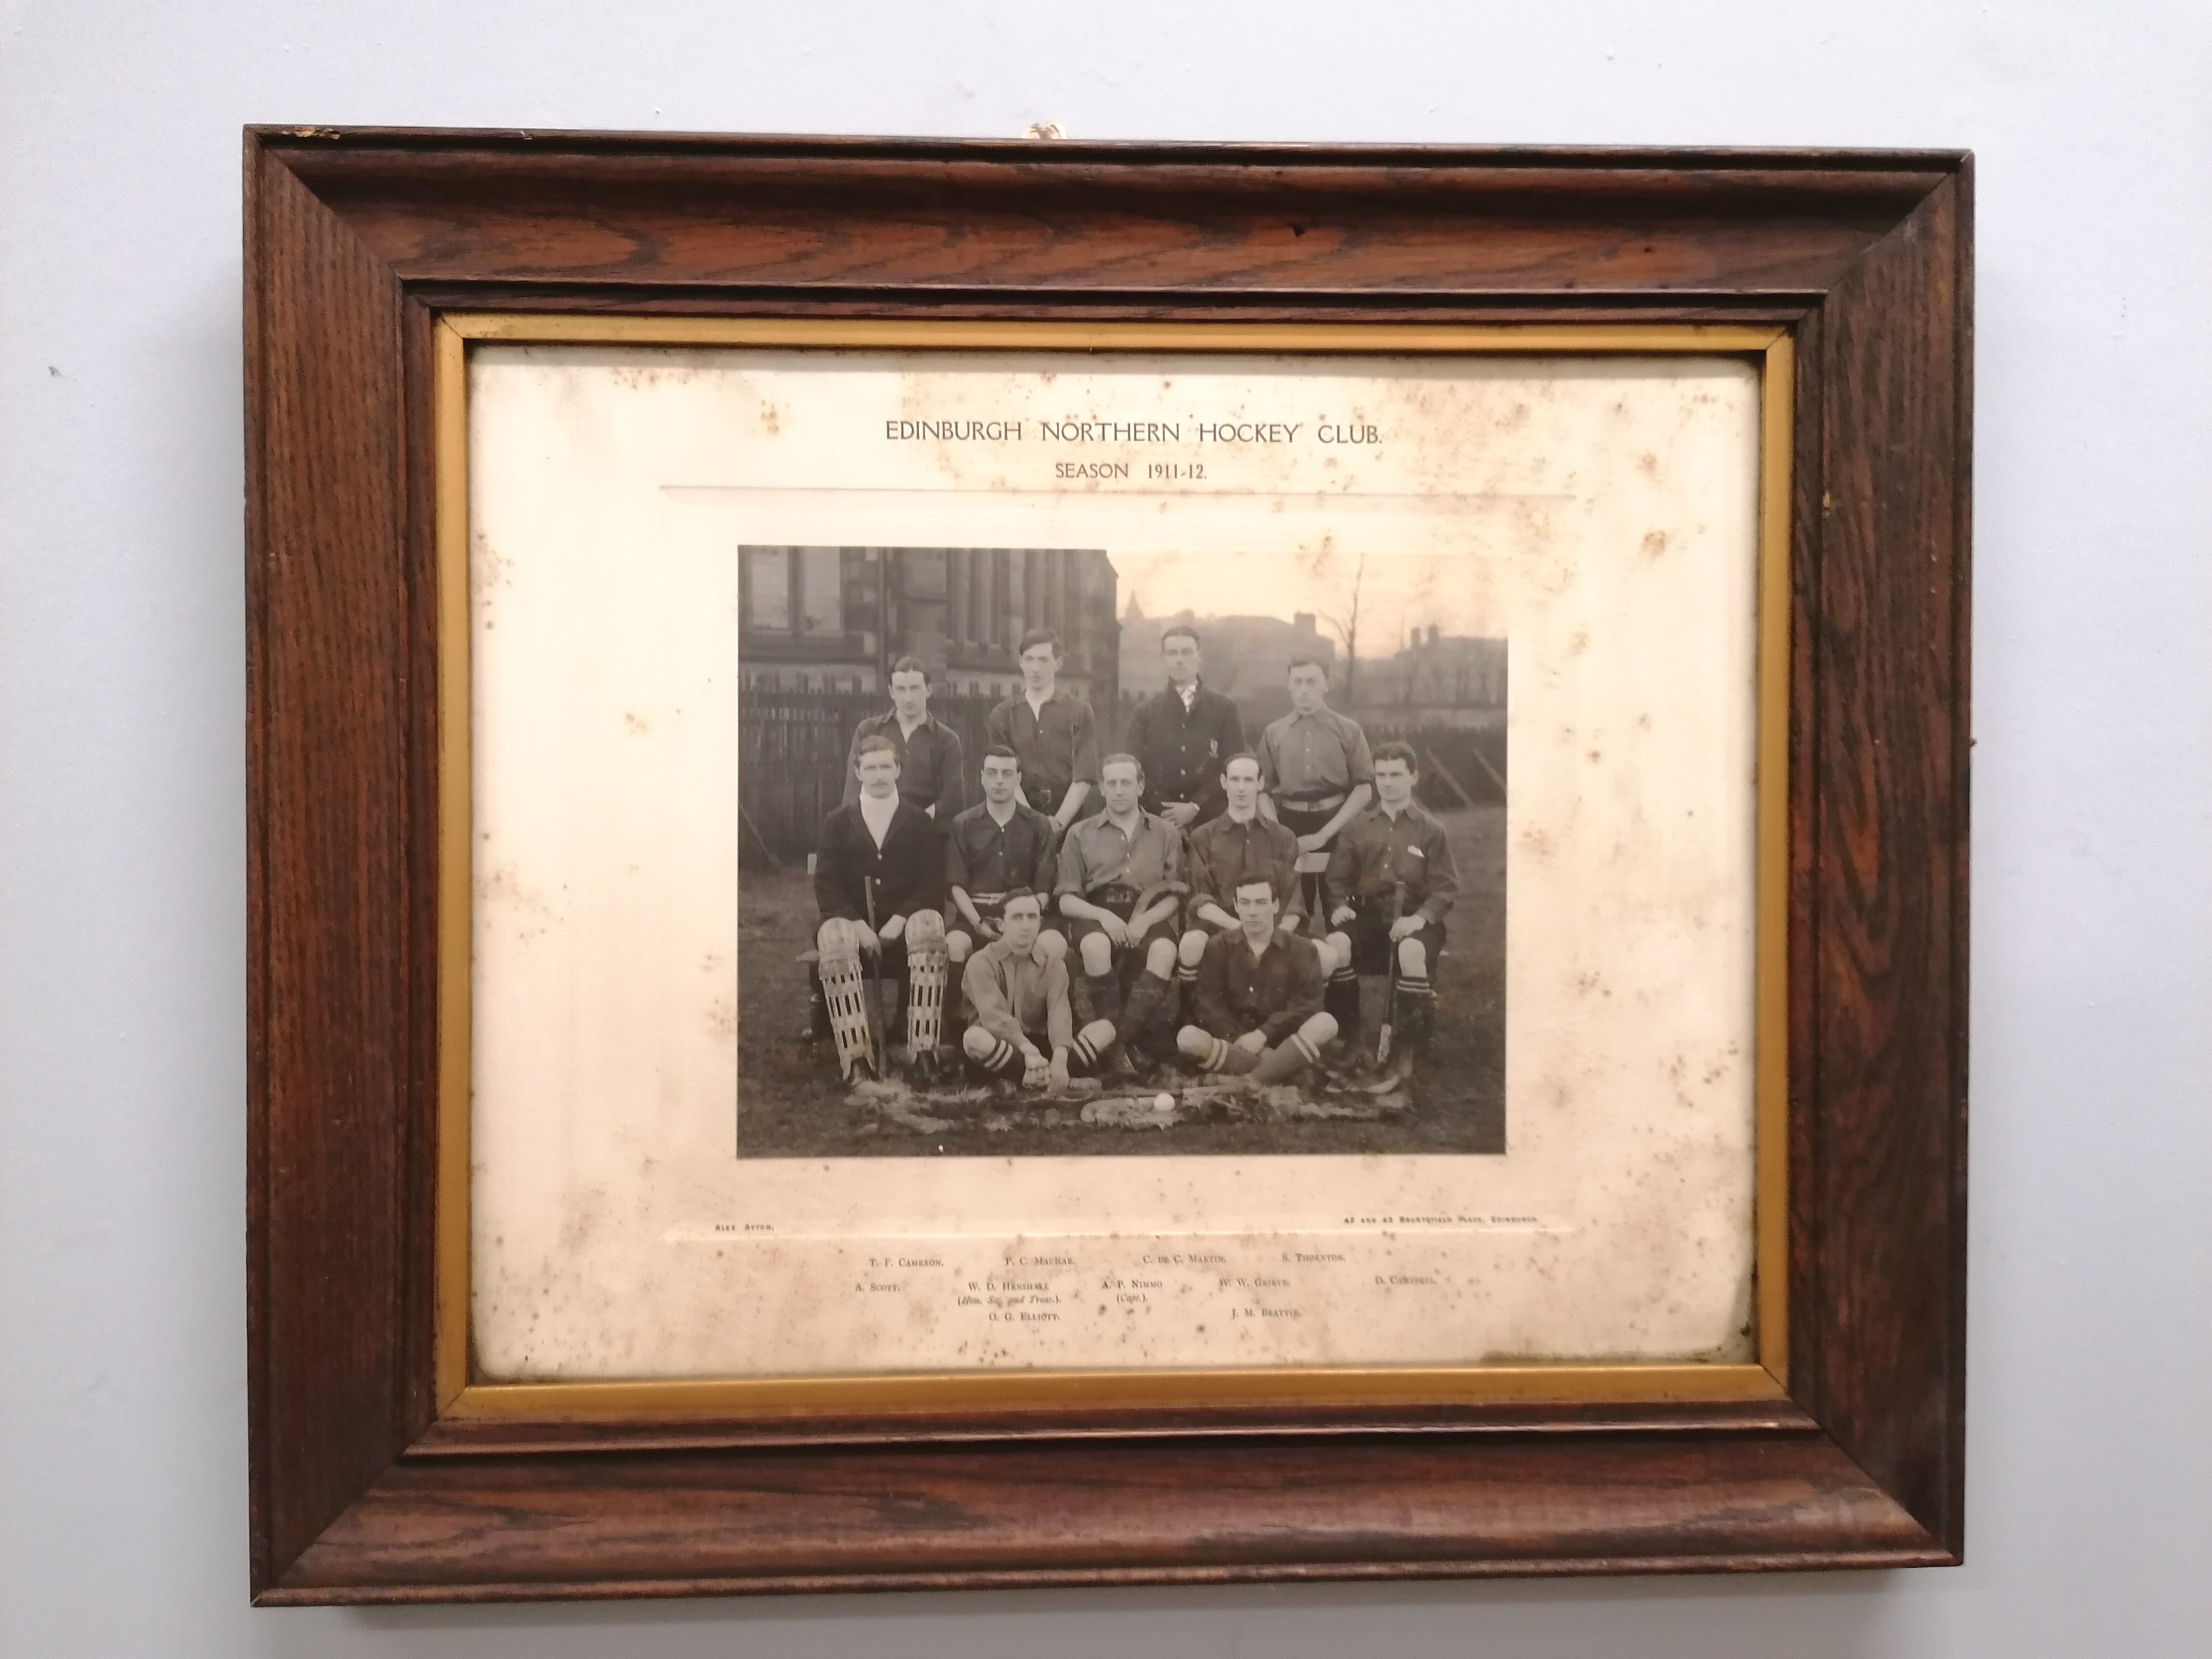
[[1259, 998], [1025, 1024]]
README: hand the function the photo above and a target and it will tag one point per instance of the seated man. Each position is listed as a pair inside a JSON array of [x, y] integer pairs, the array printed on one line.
[[878, 880], [1258, 996], [1223, 852], [1389, 884], [1024, 1025], [1121, 885], [993, 849]]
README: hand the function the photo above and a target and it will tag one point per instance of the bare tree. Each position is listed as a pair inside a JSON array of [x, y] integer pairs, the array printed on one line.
[[1345, 624]]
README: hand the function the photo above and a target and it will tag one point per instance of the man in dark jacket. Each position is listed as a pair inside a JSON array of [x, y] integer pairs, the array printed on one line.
[[1259, 1001], [1183, 735], [880, 883]]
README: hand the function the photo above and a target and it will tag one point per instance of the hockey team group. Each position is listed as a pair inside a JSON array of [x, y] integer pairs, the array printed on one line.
[[1193, 901]]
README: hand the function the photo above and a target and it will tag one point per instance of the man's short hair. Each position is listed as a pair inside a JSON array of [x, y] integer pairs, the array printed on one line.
[[871, 743], [1181, 631], [1308, 660], [1396, 750], [1000, 751], [1013, 893], [1039, 636], [1242, 754], [911, 665], [1253, 881], [1117, 758]]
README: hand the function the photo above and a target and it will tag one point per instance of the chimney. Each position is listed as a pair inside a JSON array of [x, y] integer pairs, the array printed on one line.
[[1302, 621]]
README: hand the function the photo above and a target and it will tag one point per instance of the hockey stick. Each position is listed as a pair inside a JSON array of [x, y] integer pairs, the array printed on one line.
[[879, 1053], [1390, 998]]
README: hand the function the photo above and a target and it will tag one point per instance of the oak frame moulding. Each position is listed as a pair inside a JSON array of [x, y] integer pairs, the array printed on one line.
[[369, 252]]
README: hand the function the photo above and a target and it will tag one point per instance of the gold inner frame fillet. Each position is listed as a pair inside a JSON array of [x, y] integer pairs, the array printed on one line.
[[785, 1397]]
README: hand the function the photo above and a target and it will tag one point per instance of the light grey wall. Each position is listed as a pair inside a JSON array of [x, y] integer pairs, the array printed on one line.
[[122, 895]]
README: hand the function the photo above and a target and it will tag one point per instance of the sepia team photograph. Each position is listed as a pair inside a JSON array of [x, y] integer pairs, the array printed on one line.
[[1045, 853]]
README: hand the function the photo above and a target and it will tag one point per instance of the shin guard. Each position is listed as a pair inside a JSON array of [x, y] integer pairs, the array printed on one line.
[[926, 975], [846, 989]]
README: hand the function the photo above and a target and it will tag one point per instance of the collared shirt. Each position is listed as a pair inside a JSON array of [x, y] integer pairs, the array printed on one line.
[[1273, 992], [1183, 746], [1375, 852], [1225, 853], [1095, 853], [932, 770], [1059, 745], [982, 856], [878, 814], [1311, 757], [1019, 996]]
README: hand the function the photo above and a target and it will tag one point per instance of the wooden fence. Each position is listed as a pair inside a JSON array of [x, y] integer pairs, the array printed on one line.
[[1460, 766], [792, 747]]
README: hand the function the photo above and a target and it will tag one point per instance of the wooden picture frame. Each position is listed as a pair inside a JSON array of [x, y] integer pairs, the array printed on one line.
[[368, 1486]]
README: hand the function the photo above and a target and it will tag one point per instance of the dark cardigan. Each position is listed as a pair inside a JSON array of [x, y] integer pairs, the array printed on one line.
[[908, 870]]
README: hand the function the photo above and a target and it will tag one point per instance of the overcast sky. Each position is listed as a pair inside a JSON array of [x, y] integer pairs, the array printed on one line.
[[1398, 591]]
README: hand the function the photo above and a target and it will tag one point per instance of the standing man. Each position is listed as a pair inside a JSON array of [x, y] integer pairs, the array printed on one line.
[[1183, 735], [1315, 768], [1258, 996], [994, 848], [1120, 884], [878, 881], [1390, 883], [1053, 732], [932, 774]]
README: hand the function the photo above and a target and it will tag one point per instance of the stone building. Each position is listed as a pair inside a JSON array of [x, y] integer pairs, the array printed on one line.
[[833, 619]]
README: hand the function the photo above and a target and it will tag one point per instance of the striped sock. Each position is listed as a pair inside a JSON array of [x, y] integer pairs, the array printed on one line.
[[1226, 1056], [1285, 1060], [1091, 1043], [1004, 1060]]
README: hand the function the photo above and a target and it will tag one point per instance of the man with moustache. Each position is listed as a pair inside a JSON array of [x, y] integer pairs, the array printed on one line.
[[878, 881]]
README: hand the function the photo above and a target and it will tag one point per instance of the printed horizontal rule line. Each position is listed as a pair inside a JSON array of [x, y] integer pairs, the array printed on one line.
[[1192, 494]]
